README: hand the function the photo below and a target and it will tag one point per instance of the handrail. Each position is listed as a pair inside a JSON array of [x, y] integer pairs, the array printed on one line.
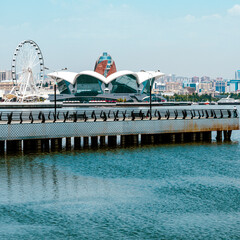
[[22, 117]]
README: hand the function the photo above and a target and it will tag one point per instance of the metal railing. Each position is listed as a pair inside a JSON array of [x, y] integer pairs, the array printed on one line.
[[113, 115]]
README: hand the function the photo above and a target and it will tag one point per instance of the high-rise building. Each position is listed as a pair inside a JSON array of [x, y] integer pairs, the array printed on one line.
[[220, 85], [5, 75], [2, 75], [105, 65], [237, 75], [234, 85], [205, 79], [195, 79]]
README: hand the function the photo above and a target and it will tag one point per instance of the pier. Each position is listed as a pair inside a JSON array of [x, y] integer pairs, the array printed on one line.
[[45, 131]]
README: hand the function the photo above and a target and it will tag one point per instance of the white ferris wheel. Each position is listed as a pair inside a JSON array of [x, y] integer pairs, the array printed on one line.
[[27, 72]]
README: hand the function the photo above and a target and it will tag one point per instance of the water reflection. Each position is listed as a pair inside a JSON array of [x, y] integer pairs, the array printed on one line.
[[167, 191], [30, 178]]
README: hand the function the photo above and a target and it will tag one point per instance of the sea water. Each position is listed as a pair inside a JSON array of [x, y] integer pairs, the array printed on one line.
[[167, 191]]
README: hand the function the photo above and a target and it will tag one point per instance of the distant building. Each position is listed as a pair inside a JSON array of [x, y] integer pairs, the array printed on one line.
[[237, 75], [160, 87], [191, 85], [104, 83], [6, 85], [105, 65], [205, 88], [220, 85], [205, 79], [234, 85], [5, 75], [173, 87], [195, 79]]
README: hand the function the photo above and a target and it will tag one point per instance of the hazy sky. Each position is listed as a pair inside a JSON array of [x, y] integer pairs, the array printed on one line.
[[185, 37]]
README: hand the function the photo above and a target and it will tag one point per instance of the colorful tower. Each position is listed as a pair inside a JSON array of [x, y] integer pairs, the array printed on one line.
[[105, 65]]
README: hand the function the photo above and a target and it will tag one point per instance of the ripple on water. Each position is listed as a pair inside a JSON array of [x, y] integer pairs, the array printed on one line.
[[187, 191]]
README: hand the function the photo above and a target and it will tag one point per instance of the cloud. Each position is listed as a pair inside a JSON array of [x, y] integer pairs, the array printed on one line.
[[235, 10], [214, 16], [190, 18]]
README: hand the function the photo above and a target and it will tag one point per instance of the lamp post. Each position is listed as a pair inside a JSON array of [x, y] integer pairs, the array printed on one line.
[[55, 94], [150, 86]]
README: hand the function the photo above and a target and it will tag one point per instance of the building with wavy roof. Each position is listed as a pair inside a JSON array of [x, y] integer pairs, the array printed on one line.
[[104, 83]]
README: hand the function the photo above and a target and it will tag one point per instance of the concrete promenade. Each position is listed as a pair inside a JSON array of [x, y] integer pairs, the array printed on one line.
[[79, 129]]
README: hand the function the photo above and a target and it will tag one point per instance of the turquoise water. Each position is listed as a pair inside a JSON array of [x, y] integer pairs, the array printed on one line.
[[183, 191]]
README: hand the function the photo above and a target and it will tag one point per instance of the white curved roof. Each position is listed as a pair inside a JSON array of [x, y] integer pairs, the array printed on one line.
[[71, 77], [68, 76], [92, 74], [143, 76], [120, 74]]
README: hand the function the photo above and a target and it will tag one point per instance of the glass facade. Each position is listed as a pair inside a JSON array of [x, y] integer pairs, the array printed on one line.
[[125, 84], [88, 86], [63, 86], [146, 86], [105, 57]]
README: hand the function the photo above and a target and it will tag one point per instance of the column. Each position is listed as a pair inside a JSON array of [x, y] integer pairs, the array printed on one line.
[[94, 141], [112, 141], [77, 143], [14, 145], [68, 143], [219, 136], [2, 145], [102, 141], [85, 142], [172, 137]]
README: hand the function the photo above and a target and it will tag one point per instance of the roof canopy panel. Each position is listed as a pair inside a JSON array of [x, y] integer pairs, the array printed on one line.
[[68, 76], [141, 77]]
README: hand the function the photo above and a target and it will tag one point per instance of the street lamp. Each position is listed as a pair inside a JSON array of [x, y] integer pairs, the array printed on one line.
[[150, 86], [55, 94]]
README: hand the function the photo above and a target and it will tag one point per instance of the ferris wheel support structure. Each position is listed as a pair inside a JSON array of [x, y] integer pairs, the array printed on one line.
[[27, 71]]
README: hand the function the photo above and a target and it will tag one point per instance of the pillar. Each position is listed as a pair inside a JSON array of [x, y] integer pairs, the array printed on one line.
[[151, 138], [187, 137], [156, 138], [14, 145], [102, 141], [172, 137], [45, 144], [94, 141], [85, 142], [77, 143], [135, 139], [2, 145], [26, 145], [207, 136], [144, 139], [201, 136], [197, 136], [182, 137], [38, 145], [128, 140], [68, 143], [53, 143], [227, 135], [59, 143], [193, 137], [123, 140], [219, 136], [112, 140], [56, 143]]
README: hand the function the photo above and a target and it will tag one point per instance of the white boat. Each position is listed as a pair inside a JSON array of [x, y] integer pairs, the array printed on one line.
[[228, 101]]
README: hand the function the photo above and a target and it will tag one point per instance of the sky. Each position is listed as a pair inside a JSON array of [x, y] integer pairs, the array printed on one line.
[[182, 37]]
